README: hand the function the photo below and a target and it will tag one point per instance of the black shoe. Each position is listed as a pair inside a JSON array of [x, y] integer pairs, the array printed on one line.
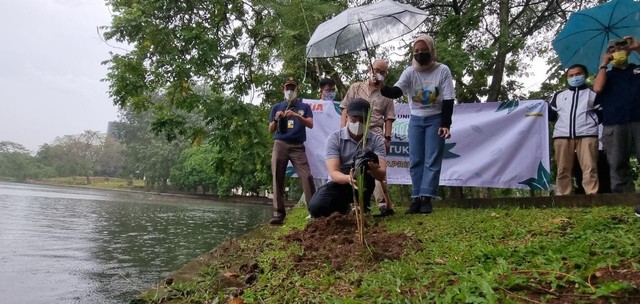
[[425, 205], [278, 218], [415, 206], [638, 210], [385, 212]]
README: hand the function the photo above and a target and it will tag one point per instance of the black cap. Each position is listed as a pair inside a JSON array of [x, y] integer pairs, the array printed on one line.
[[358, 107]]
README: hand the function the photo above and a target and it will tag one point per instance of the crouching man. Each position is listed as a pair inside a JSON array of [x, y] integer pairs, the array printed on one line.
[[344, 152]]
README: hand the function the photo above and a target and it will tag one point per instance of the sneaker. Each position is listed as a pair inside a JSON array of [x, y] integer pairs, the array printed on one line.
[[637, 210], [415, 206], [425, 205], [278, 218]]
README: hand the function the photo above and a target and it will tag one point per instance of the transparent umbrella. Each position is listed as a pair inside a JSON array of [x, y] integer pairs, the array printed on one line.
[[362, 27]]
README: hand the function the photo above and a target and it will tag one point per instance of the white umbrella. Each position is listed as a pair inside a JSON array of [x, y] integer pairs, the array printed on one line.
[[359, 28]]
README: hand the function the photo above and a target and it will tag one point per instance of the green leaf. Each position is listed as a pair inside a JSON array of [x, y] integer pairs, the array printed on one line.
[[541, 182]]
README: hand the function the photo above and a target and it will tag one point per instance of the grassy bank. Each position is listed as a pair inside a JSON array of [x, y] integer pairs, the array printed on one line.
[[96, 182], [506, 255]]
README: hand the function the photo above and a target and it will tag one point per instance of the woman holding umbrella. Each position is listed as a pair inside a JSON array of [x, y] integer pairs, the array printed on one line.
[[429, 86]]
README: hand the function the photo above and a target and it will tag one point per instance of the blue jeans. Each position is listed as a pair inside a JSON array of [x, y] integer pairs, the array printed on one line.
[[426, 149]]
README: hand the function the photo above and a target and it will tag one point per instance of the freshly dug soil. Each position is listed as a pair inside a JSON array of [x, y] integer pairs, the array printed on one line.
[[333, 241]]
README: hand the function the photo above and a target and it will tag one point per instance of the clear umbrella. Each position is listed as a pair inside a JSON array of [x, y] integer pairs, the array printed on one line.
[[362, 27]]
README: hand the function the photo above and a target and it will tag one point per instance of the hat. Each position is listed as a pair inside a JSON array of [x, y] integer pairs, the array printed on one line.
[[290, 80], [358, 107]]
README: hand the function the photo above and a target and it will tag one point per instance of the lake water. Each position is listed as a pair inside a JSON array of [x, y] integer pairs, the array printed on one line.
[[70, 245]]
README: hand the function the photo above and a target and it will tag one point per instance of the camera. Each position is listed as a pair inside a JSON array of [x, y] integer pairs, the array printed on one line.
[[363, 157], [622, 42], [281, 125]]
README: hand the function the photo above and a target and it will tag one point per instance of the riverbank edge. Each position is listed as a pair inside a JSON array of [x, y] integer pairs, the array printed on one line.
[[254, 200], [234, 255]]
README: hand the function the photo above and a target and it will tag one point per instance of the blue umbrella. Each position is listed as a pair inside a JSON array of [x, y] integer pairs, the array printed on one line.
[[584, 38]]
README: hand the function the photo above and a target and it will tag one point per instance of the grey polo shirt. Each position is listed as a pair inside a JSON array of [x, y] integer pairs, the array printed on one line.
[[340, 145]]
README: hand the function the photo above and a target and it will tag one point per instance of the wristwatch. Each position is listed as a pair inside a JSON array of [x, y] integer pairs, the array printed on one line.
[[603, 67], [388, 138]]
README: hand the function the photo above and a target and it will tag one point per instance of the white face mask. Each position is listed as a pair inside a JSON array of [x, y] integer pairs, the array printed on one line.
[[289, 95], [355, 128]]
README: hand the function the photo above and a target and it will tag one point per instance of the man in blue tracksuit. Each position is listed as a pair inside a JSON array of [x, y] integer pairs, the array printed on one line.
[[575, 132]]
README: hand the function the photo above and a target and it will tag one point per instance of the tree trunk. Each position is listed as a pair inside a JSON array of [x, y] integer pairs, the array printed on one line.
[[485, 192], [503, 50], [456, 192]]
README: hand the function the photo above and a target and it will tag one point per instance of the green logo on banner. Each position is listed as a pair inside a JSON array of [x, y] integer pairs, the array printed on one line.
[[510, 106], [541, 182]]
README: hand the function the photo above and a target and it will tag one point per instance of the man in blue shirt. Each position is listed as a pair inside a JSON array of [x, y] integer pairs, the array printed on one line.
[[619, 94], [288, 122], [342, 147]]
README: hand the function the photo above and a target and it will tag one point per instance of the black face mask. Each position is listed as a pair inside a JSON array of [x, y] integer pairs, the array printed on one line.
[[422, 58]]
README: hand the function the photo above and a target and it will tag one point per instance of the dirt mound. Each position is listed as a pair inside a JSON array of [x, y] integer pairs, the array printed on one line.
[[333, 241]]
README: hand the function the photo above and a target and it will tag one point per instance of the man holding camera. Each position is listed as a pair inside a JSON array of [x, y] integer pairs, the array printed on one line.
[[288, 122], [344, 154], [618, 92]]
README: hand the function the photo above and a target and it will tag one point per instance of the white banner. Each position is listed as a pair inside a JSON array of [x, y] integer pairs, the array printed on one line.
[[498, 145]]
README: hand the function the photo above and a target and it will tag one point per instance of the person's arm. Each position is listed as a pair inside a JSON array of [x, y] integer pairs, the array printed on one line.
[[601, 76], [388, 127], [333, 166], [391, 92], [273, 116], [306, 121], [447, 113], [272, 127], [553, 107], [634, 45], [378, 171]]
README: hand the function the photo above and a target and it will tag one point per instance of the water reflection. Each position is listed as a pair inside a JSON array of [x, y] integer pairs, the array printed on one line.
[[61, 245]]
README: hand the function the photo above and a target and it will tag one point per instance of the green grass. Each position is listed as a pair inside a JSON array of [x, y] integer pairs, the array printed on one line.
[[467, 256]]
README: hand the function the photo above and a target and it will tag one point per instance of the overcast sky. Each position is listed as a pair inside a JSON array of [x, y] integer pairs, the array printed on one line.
[[50, 70]]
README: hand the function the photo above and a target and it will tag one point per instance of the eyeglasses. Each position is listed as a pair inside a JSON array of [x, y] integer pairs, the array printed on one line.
[[379, 71]]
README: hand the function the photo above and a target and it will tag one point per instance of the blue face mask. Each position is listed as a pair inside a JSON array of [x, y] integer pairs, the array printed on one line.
[[330, 96], [576, 81]]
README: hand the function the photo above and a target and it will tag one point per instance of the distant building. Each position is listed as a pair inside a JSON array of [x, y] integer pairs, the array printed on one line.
[[112, 130]]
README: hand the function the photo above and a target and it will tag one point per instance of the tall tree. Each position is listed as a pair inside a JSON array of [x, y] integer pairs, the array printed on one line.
[[72, 155], [489, 44], [231, 47], [16, 162], [147, 155]]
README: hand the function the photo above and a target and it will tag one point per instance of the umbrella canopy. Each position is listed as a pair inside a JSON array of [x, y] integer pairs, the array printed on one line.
[[359, 28], [584, 38]]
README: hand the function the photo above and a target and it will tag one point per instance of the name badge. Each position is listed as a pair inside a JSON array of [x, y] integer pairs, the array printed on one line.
[[290, 126]]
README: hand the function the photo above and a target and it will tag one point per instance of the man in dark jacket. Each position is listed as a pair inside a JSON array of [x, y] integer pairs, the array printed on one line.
[[619, 90], [288, 122]]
